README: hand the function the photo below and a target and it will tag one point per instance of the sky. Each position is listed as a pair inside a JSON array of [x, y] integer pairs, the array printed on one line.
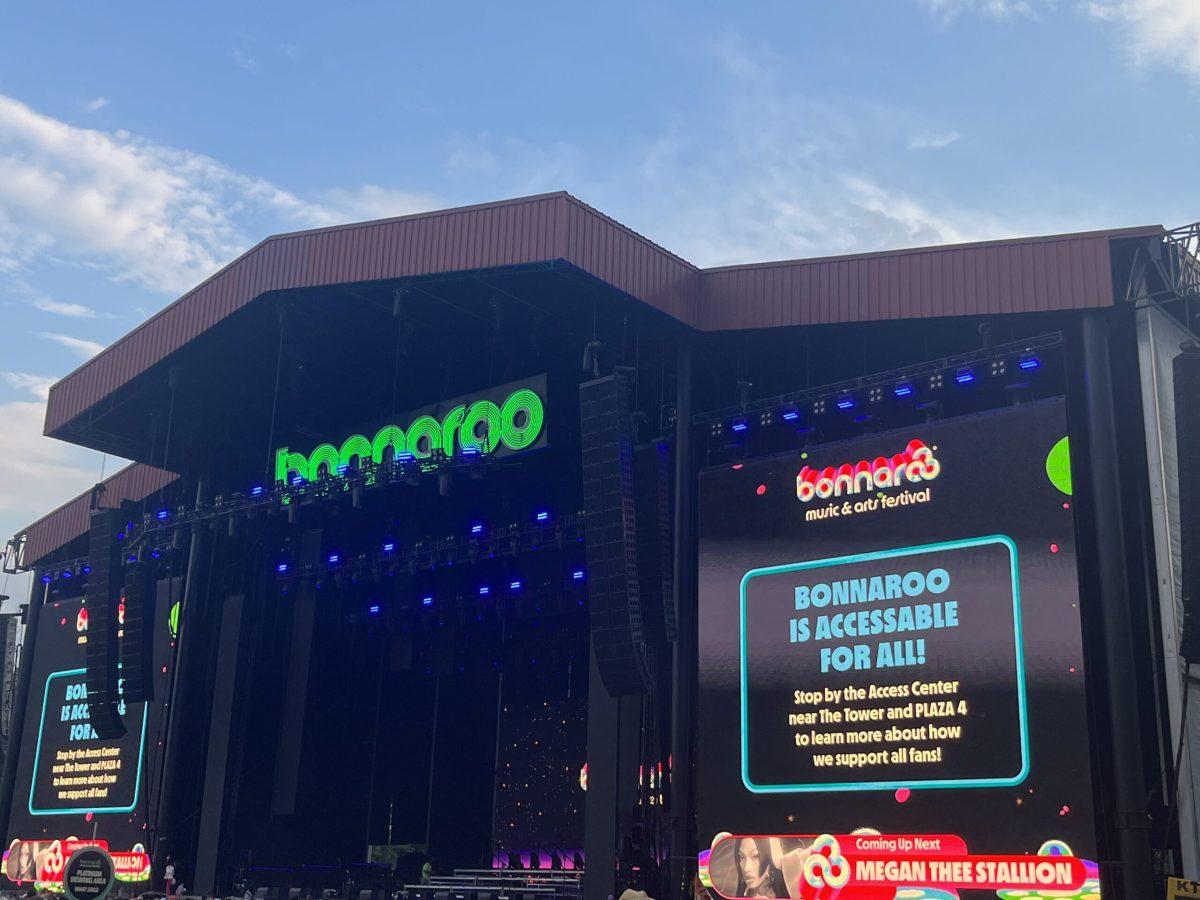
[[144, 145]]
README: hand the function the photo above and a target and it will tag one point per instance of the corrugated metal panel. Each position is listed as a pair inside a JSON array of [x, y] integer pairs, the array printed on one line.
[[69, 521], [498, 234], [1063, 272], [1030, 275]]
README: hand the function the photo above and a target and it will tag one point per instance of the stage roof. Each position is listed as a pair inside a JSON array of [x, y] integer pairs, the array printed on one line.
[[1035, 274]]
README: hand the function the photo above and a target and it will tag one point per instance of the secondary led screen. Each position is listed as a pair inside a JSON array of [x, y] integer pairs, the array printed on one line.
[[891, 676]]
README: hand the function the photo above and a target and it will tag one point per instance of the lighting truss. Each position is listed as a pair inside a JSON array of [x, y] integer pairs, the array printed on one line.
[[833, 395]]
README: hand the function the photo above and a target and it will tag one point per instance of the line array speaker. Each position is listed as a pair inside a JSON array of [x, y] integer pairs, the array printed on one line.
[[652, 505], [1186, 372], [610, 534], [101, 672], [137, 632]]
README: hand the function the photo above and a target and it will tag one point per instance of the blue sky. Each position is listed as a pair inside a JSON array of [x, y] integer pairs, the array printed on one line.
[[143, 145]]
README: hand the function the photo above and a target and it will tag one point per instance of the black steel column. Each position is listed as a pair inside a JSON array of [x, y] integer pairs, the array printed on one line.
[[37, 599], [600, 805], [1100, 479], [683, 668]]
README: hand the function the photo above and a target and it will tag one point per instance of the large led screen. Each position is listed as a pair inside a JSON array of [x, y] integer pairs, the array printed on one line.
[[892, 692], [74, 787]]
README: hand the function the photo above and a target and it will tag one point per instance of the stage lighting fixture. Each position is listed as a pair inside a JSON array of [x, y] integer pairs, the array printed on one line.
[[256, 491], [282, 568], [964, 375], [484, 590], [476, 528], [132, 558], [334, 559], [514, 585], [389, 547], [427, 601], [936, 380], [87, 570], [845, 401], [818, 407], [155, 554], [1029, 361], [46, 579], [998, 367], [163, 515], [717, 428], [577, 575], [739, 426], [542, 515], [903, 389], [791, 414], [766, 417], [65, 573], [374, 609], [874, 394]]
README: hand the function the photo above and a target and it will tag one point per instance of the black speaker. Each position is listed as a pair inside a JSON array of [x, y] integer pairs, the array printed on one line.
[[137, 633], [1186, 371], [101, 672], [652, 507], [610, 535]]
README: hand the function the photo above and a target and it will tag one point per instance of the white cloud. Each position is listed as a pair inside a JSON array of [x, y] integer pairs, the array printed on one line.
[[949, 10], [71, 310], [932, 141], [96, 104], [85, 349], [373, 202], [37, 385], [1156, 32], [141, 211]]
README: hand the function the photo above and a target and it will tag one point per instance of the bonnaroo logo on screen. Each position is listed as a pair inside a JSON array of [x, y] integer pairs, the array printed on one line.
[[481, 427], [916, 464]]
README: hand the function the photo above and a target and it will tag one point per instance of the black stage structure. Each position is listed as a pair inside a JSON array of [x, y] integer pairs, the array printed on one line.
[[486, 657]]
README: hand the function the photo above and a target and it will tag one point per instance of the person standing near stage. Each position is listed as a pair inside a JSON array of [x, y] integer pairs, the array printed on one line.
[[169, 878]]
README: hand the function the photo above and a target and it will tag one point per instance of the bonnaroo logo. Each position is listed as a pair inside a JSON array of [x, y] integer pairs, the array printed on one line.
[[481, 427], [917, 463]]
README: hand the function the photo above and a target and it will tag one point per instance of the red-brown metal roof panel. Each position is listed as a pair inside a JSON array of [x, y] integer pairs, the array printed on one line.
[[69, 521]]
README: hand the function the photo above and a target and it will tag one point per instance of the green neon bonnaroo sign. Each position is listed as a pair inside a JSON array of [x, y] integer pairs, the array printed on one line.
[[481, 427]]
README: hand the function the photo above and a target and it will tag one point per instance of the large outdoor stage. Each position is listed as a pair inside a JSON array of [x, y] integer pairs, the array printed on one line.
[[462, 550]]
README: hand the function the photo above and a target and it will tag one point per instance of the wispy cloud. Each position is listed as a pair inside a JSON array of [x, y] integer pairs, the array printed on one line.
[[71, 310], [932, 141], [1156, 32], [83, 348], [142, 211], [244, 60], [96, 104], [948, 10], [36, 385]]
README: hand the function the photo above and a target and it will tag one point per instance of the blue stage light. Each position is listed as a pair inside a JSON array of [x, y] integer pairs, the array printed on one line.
[[163, 514], [903, 389], [484, 590], [577, 575], [1029, 361], [46, 579], [965, 375], [155, 554], [405, 457], [282, 568], [342, 469], [374, 609], [389, 547], [543, 515], [791, 414], [297, 480], [515, 584], [476, 528], [256, 491], [334, 559], [65, 573], [846, 401], [739, 425], [427, 601], [87, 570], [132, 558]]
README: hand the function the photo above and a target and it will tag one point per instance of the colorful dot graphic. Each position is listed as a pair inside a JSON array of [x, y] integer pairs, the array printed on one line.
[[1058, 465], [761, 489]]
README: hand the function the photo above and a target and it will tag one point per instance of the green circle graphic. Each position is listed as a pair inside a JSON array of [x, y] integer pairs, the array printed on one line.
[[1058, 465]]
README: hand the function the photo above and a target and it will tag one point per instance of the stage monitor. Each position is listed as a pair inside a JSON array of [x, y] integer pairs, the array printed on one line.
[[74, 787], [891, 667]]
